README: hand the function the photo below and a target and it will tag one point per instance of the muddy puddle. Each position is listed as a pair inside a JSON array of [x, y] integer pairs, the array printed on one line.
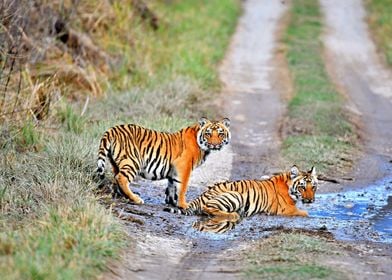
[[364, 214]]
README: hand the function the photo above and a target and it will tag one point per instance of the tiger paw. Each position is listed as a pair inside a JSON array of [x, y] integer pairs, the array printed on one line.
[[138, 200], [183, 205]]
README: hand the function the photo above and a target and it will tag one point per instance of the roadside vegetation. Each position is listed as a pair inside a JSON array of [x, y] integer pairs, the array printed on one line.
[[380, 19], [107, 62], [316, 131], [292, 256]]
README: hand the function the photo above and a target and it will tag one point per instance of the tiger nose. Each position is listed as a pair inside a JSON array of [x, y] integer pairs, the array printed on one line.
[[215, 146]]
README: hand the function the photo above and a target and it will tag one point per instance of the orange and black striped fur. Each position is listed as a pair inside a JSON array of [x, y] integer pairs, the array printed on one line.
[[276, 196], [134, 150]]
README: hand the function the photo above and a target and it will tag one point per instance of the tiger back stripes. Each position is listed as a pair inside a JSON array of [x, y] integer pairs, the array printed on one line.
[[134, 150], [276, 196]]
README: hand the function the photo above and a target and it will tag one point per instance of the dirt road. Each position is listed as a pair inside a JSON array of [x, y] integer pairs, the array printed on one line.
[[251, 94], [165, 246]]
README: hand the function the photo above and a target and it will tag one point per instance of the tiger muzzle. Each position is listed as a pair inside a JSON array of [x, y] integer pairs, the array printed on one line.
[[215, 147]]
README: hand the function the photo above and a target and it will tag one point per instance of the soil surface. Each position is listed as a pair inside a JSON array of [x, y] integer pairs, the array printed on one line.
[[168, 246]]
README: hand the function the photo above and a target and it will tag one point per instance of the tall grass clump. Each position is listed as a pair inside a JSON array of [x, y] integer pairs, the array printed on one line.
[[316, 130], [380, 19], [72, 121], [51, 224]]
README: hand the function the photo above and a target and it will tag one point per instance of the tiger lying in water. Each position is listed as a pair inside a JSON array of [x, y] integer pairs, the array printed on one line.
[[276, 196], [134, 150]]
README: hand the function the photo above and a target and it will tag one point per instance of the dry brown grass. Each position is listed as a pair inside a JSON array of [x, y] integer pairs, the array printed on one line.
[[42, 57]]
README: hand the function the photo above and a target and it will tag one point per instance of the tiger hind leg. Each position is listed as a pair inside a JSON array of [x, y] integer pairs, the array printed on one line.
[[124, 177], [123, 182], [229, 216]]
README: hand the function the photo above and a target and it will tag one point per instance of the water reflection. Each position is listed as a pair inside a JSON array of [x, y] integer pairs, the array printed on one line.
[[214, 225], [383, 218]]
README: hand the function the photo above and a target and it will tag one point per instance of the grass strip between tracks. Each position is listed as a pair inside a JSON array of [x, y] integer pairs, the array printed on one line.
[[317, 131], [292, 256], [380, 19]]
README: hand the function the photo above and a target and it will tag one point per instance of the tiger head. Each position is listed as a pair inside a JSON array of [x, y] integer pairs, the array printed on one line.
[[304, 184], [213, 135]]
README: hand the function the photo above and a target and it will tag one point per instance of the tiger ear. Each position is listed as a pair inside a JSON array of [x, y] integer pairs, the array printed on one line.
[[226, 122], [294, 172], [203, 121], [313, 171]]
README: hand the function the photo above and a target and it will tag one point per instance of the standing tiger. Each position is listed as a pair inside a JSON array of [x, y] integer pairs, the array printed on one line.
[[276, 196], [134, 150]]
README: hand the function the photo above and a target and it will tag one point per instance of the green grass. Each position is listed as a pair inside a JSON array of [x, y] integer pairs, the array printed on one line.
[[66, 243], [51, 225], [72, 121], [190, 41], [380, 19], [291, 256], [28, 137], [318, 132]]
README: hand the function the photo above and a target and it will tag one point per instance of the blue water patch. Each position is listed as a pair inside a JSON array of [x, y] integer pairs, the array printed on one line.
[[372, 205]]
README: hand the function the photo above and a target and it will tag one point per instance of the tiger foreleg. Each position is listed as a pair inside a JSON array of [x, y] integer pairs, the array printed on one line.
[[296, 212], [184, 173], [302, 213], [171, 193]]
